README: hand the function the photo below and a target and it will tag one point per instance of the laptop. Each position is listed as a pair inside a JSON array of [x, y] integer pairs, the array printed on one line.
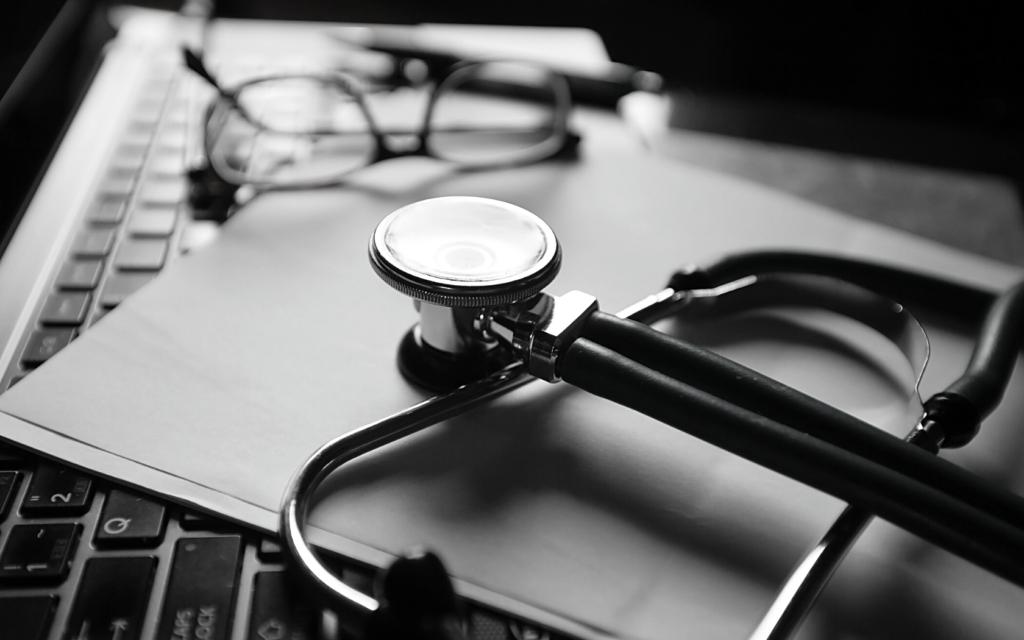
[[99, 133]]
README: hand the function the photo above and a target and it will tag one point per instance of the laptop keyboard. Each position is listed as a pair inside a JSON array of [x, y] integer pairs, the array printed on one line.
[[136, 223], [85, 559]]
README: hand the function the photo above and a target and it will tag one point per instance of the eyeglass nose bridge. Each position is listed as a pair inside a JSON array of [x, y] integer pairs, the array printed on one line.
[[399, 145]]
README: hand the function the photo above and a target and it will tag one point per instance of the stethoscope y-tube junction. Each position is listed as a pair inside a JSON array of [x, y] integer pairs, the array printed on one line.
[[620, 358]]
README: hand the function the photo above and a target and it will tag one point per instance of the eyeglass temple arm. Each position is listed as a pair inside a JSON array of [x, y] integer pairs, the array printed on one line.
[[194, 62]]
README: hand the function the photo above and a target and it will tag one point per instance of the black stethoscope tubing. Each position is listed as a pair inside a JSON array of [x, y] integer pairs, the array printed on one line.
[[735, 384]]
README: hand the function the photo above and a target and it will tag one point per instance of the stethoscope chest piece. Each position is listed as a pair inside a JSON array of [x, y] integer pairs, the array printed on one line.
[[461, 258]]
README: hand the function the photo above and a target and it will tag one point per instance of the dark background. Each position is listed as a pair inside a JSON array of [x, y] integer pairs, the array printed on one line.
[[947, 62], [931, 83]]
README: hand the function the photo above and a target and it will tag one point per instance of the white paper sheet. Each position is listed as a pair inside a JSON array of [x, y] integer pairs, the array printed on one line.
[[212, 384]]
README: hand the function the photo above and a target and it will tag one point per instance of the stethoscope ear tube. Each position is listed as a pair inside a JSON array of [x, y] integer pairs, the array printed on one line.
[[757, 393], [917, 507]]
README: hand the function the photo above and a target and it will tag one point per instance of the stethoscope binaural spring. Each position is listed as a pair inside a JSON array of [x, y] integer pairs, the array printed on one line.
[[477, 269]]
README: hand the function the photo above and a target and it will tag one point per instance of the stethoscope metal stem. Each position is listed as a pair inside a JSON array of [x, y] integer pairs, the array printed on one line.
[[357, 443], [807, 580]]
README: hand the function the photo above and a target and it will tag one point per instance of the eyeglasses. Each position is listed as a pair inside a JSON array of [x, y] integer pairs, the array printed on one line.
[[294, 131]]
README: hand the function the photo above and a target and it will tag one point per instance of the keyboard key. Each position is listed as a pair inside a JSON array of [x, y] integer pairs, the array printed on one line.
[[146, 112], [43, 344], [277, 613], [128, 159], [178, 115], [36, 552], [27, 617], [139, 133], [137, 136], [168, 164], [8, 487], [153, 221], [82, 275], [118, 286], [172, 138], [56, 492], [130, 520], [65, 308], [141, 255], [150, 103], [116, 187], [163, 192], [93, 243], [201, 589], [112, 599], [109, 210]]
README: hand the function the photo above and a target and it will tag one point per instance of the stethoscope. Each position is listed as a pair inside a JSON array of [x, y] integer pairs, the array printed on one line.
[[477, 268]]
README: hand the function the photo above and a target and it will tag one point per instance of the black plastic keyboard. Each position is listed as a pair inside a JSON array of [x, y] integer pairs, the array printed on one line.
[[84, 559]]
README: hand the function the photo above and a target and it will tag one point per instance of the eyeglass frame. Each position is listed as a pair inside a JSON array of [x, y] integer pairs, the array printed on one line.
[[563, 142]]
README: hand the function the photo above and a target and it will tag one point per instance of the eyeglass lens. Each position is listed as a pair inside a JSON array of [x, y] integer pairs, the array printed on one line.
[[495, 113], [289, 131]]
